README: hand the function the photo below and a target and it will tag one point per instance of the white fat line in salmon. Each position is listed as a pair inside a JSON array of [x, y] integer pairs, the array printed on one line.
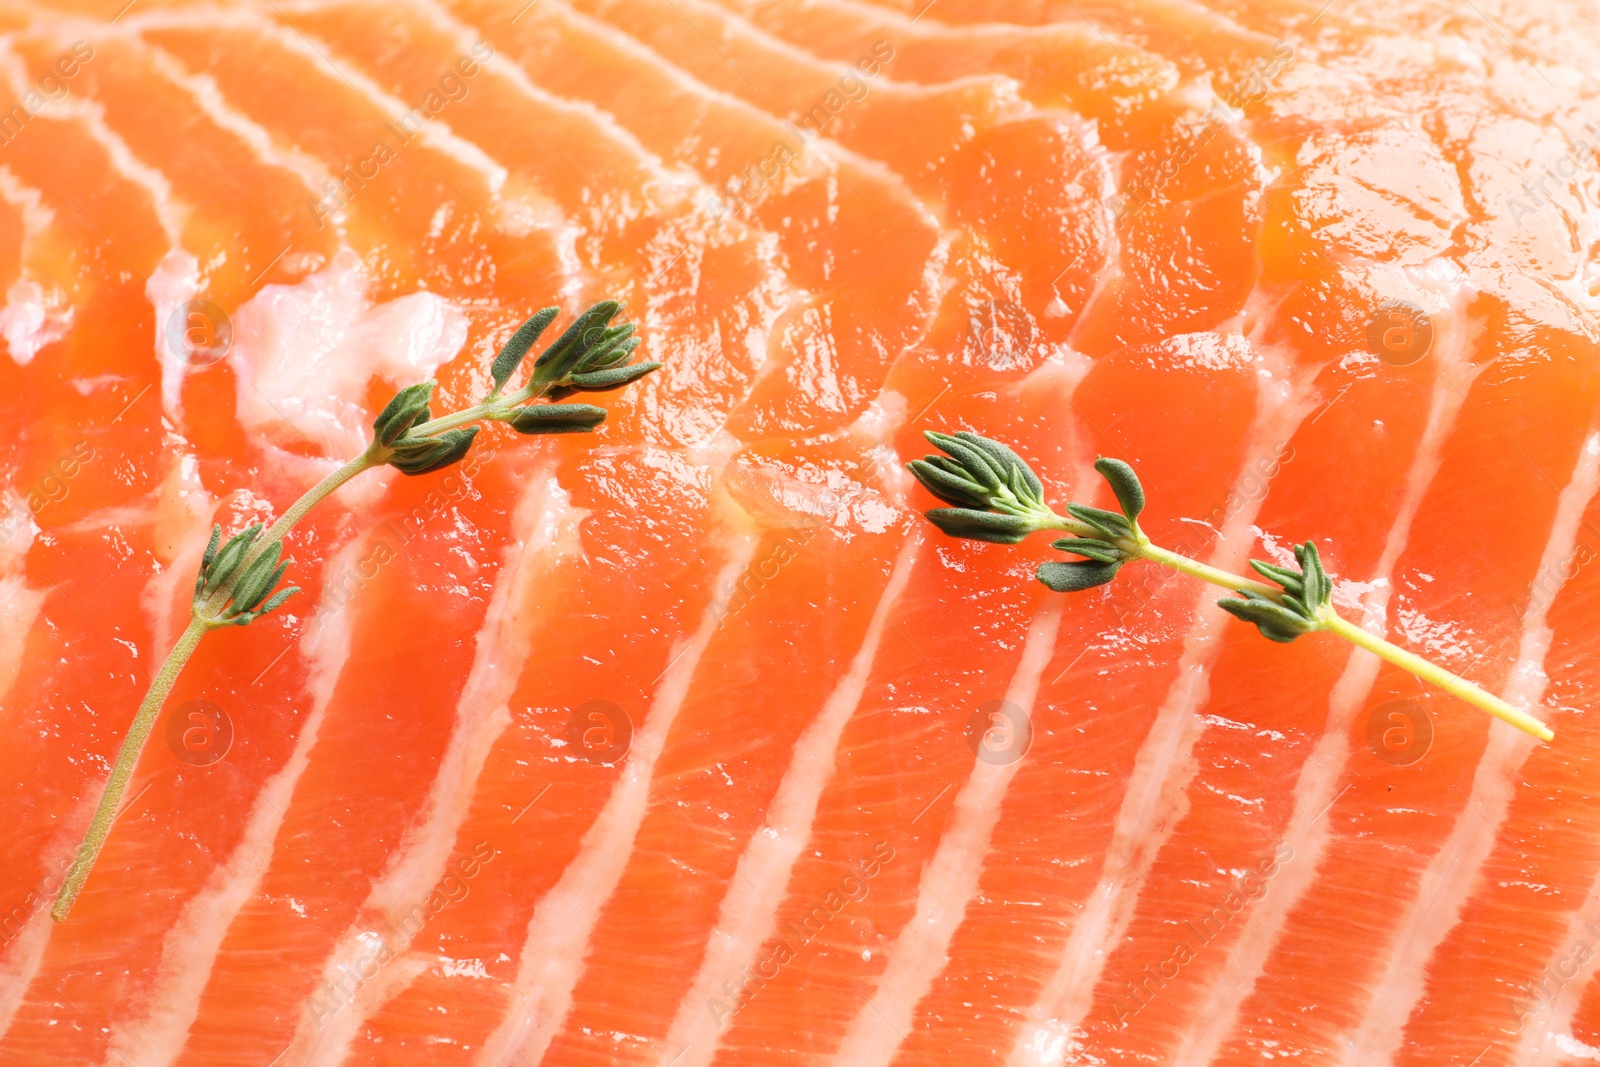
[[1542, 1031], [391, 539], [555, 951], [853, 887], [51, 488], [736, 593], [407, 127], [949, 881], [382, 947], [1143, 190], [1248, 887], [748, 184], [1540, 992], [1317, 787], [747, 918], [51, 87], [1542, 590], [1450, 877], [13, 921]]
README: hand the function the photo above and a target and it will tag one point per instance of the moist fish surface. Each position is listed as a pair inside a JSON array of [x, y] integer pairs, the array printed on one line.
[[675, 744]]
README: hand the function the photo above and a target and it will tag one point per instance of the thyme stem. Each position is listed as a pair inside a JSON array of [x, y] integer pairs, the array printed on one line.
[[1072, 526], [995, 496], [492, 408], [372, 457], [202, 622], [127, 758], [1332, 622], [1204, 571], [1436, 675], [590, 357]]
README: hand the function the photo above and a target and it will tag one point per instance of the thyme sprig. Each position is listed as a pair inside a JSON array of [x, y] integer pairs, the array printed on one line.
[[236, 580], [996, 497]]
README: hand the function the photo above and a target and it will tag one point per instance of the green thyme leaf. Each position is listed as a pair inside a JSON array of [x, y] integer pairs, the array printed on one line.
[[276, 600], [955, 489], [1306, 591], [1282, 575], [1318, 587], [205, 561], [211, 547], [228, 558], [611, 347], [603, 381], [981, 525], [972, 460], [557, 360], [408, 408], [1089, 546], [1009, 464], [415, 456], [1124, 483], [1276, 622], [1076, 577], [1109, 523], [253, 582], [612, 357], [512, 353], [557, 418], [271, 583]]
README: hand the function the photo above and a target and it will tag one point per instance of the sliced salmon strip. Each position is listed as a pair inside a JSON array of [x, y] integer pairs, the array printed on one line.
[[1107, 80], [889, 301], [871, 290], [424, 223], [99, 449], [646, 237], [866, 108], [1477, 467], [965, 134]]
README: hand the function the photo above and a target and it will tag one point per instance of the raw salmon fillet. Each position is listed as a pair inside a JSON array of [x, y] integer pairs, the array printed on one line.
[[689, 743]]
